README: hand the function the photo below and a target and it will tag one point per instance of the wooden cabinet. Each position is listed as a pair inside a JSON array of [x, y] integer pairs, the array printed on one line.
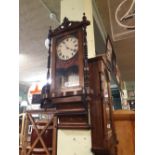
[[103, 132], [125, 129]]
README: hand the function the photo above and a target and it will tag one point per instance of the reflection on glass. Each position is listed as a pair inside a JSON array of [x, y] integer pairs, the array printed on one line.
[[104, 86], [108, 116], [68, 77]]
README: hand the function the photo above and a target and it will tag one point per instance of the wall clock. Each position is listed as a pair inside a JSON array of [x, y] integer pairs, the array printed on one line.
[[69, 58], [68, 70]]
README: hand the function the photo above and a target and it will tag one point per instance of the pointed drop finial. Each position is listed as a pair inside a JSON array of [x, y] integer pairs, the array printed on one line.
[[50, 33]]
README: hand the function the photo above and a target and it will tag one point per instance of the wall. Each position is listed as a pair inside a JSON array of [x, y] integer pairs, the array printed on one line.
[[73, 10], [74, 142]]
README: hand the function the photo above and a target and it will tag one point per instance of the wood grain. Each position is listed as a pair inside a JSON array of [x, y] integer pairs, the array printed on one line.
[[125, 130]]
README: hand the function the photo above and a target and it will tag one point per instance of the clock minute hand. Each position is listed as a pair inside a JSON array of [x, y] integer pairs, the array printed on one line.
[[68, 48]]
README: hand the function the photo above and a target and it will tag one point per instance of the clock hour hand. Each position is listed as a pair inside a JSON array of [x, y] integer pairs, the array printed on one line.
[[69, 48]]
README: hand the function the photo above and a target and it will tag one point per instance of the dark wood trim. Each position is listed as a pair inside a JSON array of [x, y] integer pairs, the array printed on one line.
[[68, 25], [64, 100], [74, 126]]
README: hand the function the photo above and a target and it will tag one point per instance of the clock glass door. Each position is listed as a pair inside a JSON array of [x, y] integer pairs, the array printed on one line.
[[67, 63], [67, 77]]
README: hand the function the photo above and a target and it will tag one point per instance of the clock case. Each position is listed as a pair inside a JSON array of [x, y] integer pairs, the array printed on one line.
[[86, 106], [78, 63], [70, 104], [63, 68]]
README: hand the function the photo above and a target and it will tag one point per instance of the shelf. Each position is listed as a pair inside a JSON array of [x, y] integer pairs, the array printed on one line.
[[74, 126]]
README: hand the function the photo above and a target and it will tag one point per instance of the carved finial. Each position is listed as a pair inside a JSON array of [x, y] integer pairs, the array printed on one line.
[[65, 23], [84, 17], [65, 20]]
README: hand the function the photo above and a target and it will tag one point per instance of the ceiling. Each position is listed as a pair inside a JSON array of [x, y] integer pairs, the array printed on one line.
[[34, 22]]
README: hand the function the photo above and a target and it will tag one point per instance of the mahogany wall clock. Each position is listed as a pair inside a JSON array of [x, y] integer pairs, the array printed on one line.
[[69, 58]]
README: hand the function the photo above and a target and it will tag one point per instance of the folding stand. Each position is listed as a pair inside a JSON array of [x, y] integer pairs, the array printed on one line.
[[39, 133]]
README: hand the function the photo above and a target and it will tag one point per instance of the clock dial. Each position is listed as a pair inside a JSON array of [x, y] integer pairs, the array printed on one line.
[[67, 48]]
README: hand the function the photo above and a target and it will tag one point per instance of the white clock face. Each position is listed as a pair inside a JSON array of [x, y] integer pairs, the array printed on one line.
[[67, 48]]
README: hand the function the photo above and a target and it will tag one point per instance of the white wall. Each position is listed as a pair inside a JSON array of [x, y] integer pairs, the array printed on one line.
[[73, 10], [74, 142]]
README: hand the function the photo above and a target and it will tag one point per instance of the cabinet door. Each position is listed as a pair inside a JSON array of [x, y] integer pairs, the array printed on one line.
[[101, 110]]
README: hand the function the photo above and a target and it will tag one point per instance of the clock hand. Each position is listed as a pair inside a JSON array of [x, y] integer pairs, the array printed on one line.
[[68, 48]]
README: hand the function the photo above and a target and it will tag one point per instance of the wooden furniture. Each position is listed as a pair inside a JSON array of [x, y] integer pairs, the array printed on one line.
[[124, 121], [39, 133], [81, 87], [21, 130], [69, 89], [39, 128], [103, 130], [79, 83], [69, 59]]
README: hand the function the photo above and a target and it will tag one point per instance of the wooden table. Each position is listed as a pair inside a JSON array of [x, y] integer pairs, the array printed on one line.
[[124, 121]]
